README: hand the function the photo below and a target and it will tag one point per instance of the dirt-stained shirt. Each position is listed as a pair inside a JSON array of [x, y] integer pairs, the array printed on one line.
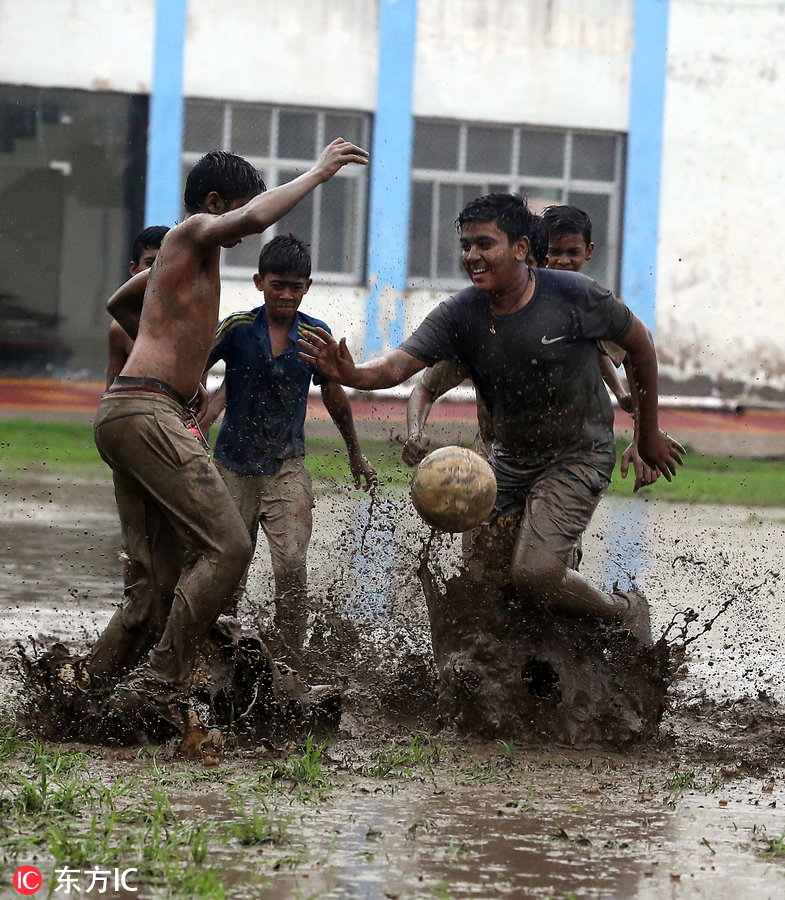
[[537, 370]]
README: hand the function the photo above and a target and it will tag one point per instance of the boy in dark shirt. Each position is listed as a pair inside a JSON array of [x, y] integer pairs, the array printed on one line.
[[569, 248], [528, 337]]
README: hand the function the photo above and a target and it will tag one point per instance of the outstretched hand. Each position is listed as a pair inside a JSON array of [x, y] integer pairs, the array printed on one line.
[[332, 358], [661, 452], [336, 155]]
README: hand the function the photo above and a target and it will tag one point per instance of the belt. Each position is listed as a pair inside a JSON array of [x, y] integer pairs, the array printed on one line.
[[146, 385]]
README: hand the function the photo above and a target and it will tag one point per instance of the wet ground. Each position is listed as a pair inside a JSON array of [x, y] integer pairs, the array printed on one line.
[[697, 814]]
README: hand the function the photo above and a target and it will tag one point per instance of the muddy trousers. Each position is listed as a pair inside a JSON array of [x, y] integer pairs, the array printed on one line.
[[187, 546], [282, 505]]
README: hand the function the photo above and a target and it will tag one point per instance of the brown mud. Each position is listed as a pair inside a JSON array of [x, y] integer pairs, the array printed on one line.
[[693, 812], [511, 670]]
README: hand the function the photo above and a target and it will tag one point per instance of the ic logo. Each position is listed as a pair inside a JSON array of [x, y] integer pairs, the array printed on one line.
[[27, 880]]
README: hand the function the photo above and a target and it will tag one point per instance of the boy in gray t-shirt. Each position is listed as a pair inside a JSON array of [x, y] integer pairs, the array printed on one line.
[[528, 338]]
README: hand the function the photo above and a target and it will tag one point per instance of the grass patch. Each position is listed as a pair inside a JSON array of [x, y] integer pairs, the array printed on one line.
[[400, 760], [304, 769], [52, 809], [28, 446], [35, 447], [730, 480]]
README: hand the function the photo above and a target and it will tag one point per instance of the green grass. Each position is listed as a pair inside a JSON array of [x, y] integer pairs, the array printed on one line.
[[27, 446], [36, 447], [716, 479]]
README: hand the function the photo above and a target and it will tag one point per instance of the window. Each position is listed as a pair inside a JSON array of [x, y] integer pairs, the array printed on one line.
[[283, 142], [72, 170], [455, 162]]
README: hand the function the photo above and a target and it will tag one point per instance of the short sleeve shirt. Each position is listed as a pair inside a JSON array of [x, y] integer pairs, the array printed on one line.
[[537, 370], [266, 396]]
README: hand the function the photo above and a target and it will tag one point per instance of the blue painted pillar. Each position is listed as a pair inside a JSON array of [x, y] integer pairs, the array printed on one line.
[[644, 158], [391, 157], [165, 130]]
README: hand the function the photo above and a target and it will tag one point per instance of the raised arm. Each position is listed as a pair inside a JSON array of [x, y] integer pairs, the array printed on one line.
[[337, 405], [656, 448], [267, 208], [334, 360], [125, 304]]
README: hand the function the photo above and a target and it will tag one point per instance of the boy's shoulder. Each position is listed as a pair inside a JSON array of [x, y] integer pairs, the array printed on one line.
[[237, 322], [465, 301], [308, 323], [187, 228], [570, 286]]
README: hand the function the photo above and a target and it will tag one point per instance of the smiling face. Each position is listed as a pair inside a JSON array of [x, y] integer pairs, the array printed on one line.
[[490, 259], [568, 252], [283, 294]]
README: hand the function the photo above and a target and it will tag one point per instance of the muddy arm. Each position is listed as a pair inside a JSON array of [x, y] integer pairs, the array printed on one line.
[[125, 304]]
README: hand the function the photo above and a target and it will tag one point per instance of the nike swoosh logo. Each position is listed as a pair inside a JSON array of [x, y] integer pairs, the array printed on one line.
[[546, 340]]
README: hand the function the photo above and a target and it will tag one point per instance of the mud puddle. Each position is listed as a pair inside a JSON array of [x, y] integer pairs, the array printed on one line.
[[696, 818], [473, 822]]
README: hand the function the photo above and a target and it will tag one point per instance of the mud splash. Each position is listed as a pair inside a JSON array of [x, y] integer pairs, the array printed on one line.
[[508, 670], [237, 687], [370, 630], [696, 812]]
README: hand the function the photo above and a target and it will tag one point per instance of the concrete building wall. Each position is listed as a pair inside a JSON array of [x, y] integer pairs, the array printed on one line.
[[301, 52], [720, 314], [306, 52], [544, 62], [101, 45], [719, 317]]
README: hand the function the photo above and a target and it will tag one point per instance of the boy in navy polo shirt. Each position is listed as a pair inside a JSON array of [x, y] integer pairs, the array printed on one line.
[[261, 444]]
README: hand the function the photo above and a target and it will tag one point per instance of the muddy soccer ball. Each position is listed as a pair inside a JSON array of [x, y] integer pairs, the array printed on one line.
[[453, 489]]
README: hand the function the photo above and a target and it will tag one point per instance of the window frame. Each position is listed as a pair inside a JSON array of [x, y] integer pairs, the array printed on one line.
[[563, 186], [271, 167]]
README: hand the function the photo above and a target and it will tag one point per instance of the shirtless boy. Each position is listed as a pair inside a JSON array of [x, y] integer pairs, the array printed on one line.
[[141, 428]]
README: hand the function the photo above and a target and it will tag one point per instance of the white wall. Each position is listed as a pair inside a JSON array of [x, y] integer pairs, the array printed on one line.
[[307, 52], [341, 306], [720, 309], [543, 62], [550, 62], [301, 52], [103, 45]]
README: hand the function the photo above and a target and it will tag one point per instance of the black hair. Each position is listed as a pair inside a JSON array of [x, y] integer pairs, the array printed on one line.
[[149, 239], [230, 176], [285, 254], [567, 220], [539, 242], [509, 211]]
